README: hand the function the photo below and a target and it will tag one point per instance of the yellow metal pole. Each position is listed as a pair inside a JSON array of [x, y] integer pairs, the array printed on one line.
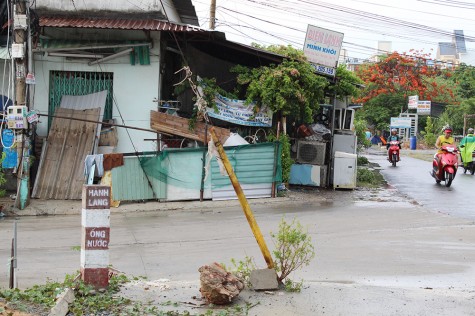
[[242, 199]]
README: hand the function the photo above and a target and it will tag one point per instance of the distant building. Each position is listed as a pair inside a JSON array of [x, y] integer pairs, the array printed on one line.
[[452, 54]]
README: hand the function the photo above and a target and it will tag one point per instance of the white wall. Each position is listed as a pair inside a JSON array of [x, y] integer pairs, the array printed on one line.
[[142, 6], [134, 87]]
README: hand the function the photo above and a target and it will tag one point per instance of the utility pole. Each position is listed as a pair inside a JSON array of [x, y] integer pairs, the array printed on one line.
[[20, 24], [212, 15]]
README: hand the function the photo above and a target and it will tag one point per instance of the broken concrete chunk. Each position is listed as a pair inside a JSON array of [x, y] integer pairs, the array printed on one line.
[[62, 303], [219, 286], [264, 279]]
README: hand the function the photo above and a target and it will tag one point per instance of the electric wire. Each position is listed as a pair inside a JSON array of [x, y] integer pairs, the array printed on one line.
[[397, 28]]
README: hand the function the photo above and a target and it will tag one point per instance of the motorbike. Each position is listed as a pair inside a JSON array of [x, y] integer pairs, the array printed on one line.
[[445, 165], [393, 152], [468, 165]]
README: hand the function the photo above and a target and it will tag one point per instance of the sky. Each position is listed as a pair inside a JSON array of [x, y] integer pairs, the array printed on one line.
[[407, 24]]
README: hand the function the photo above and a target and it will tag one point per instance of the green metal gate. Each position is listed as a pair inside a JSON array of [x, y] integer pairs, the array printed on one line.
[[79, 83]]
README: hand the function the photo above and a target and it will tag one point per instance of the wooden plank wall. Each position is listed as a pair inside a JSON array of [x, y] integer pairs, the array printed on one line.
[[61, 169], [175, 125]]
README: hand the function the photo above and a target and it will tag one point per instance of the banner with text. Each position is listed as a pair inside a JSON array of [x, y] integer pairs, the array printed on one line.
[[400, 122], [237, 112], [423, 107], [412, 103], [322, 49]]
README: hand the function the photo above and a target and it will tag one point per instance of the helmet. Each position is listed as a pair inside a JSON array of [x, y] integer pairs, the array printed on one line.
[[447, 128], [470, 130], [393, 130]]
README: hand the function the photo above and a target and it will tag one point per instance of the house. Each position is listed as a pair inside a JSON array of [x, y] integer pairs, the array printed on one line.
[[123, 58]]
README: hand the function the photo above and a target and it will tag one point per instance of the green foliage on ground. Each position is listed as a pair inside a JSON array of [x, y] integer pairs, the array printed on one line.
[[429, 136], [91, 302], [360, 161], [365, 175], [87, 300], [361, 126], [287, 161], [368, 178], [293, 249]]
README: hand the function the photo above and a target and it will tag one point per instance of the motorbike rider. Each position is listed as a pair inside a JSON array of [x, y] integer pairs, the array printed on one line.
[[445, 139], [467, 146], [393, 137]]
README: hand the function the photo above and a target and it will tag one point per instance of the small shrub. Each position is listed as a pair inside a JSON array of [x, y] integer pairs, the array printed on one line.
[[428, 133], [293, 250], [362, 161], [242, 268], [365, 175]]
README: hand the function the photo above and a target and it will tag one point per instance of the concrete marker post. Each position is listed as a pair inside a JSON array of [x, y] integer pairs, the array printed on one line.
[[95, 220]]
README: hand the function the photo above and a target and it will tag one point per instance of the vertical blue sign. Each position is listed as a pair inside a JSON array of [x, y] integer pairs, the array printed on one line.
[[11, 156]]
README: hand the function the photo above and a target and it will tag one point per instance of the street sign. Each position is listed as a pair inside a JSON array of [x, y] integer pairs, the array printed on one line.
[[423, 107], [322, 49], [400, 122], [412, 103]]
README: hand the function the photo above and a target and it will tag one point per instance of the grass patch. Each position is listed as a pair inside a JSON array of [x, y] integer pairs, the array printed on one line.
[[362, 161], [369, 178], [421, 156], [39, 299]]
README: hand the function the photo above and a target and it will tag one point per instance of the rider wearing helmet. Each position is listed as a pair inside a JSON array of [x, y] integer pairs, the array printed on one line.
[[393, 137], [445, 139]]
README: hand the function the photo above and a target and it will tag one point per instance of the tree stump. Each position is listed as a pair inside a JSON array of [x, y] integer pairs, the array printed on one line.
[[218, 286]]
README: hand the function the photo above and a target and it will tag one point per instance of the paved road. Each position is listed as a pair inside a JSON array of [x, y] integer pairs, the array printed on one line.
[[411, 177], [371, 259]]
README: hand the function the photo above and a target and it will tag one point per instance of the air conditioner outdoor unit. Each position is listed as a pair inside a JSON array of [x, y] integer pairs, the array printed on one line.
[[312, 153]]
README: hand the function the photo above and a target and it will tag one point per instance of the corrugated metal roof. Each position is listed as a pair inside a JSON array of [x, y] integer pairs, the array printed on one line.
[[116, 23]]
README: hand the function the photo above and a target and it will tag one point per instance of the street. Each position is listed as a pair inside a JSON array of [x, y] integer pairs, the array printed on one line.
[[383, 257], [411, 178]]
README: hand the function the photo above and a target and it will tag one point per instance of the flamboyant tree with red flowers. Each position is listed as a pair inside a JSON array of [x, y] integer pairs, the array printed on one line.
[[409, 74], [396, 76]]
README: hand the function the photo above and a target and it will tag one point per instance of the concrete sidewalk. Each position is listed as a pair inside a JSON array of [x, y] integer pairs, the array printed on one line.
[[378, 255]]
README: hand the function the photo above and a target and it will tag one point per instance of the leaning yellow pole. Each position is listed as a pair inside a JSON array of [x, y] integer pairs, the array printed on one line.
[[242, 199]]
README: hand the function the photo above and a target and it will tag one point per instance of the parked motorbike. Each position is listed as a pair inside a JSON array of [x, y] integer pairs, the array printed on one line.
[[445, 165], [393, 152]]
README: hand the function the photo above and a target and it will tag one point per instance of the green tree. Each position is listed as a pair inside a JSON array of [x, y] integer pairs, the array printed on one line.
[[378, 111], [464, 77], [361, 126], [453, 115], [429, 133], [293, 87]]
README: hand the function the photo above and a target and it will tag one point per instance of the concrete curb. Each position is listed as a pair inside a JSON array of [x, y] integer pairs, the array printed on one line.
[[74, 207]]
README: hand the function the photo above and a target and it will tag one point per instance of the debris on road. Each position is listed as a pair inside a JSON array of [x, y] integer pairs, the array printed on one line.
[[219, 286]]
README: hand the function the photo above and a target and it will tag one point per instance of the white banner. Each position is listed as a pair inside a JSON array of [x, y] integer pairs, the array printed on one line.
[[412, 103], [237, 112], [400, 122], [322, 47], [423, 107]]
